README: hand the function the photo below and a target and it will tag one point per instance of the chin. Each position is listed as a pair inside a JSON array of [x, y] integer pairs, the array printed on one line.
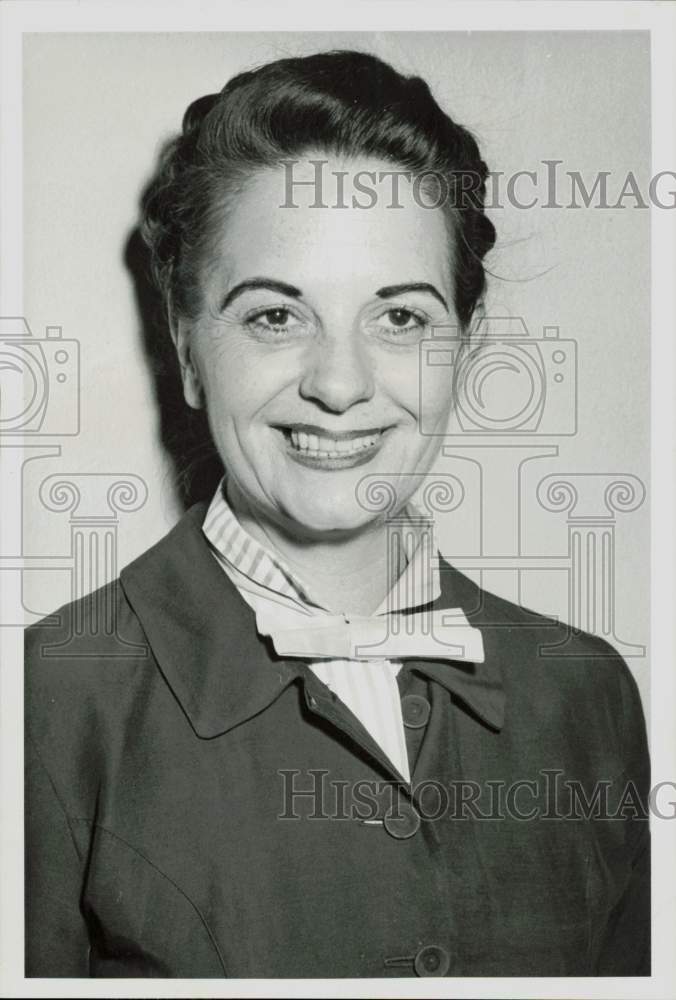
[[326, 517]]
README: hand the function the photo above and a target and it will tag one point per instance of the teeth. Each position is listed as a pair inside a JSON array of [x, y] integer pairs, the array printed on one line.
[[326, 447]]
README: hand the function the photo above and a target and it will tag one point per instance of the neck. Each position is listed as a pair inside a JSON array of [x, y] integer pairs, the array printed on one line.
[[349, 575]]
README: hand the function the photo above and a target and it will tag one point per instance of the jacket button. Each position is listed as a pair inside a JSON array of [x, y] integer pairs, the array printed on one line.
[[415, 711], [402, 824], [432, 960]]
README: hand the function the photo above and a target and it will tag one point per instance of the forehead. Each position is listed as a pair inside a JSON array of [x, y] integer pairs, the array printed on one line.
[[327, 228]]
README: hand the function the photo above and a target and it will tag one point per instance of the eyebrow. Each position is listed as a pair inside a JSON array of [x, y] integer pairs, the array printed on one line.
[[252, 283], [390, 291], [282, 288]]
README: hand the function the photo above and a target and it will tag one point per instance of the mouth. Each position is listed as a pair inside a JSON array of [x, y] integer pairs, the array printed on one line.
[[320, 448]]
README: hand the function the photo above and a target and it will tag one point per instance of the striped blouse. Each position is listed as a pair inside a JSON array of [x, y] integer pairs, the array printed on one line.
[[368, 687]]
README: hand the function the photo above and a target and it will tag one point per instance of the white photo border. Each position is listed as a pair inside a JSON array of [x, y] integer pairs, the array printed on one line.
[[19, 18]]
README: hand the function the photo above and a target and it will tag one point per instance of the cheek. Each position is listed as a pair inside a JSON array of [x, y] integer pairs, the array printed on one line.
[[226, 400], [436, 400], [237, 384], [428, 400], [437, 393]]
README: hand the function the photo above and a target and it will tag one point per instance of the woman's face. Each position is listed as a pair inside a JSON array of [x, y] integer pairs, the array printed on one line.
[[307, 348]]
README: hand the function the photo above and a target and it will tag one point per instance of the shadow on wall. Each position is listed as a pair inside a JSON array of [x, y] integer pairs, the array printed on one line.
[[184, 432]]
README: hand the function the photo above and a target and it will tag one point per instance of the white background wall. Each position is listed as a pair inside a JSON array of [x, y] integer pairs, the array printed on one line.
[[96, 109]]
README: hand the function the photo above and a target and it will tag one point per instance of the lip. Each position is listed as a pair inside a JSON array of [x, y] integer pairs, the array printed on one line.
[[336, 435], [331, 464]]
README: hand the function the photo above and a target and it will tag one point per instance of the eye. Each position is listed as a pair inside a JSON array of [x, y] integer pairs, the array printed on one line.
[[402, 318], [274, 320], [277, 319], [401, 323]]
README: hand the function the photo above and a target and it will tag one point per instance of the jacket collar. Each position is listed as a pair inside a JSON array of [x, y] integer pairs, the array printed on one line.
[[203, 636]]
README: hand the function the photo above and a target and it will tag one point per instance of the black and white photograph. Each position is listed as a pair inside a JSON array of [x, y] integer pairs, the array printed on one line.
[[337, 551]]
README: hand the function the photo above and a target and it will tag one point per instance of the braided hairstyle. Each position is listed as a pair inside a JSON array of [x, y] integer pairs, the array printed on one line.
[[342, 102]]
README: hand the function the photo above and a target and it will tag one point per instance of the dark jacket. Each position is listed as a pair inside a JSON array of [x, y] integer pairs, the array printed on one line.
[[167, 744]]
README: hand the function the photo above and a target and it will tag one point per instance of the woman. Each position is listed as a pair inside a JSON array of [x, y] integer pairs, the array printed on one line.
[[309, 748]]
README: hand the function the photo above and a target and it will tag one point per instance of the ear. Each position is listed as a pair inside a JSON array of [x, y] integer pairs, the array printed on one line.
[[193, 391]]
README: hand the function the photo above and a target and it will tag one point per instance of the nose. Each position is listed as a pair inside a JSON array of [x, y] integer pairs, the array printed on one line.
[[338, 373]]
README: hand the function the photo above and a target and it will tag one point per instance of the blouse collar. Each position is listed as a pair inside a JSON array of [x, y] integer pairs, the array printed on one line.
[[203, 637], [260, 568]]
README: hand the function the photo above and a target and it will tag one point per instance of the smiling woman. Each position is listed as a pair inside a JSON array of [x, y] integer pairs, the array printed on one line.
[[291, 655], [289, 313], [305, 350]]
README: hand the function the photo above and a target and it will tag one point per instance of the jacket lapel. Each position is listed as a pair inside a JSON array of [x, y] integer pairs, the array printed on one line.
[[202, 632], [478, 685], [204, 638]]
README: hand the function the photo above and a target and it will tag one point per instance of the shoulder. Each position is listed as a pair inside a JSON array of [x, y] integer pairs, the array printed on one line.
[[94, 655], [513, 629], [91, 649], [560, 683], [103, 629], [548, 651], [572, 695], [84, 666], [86, 652]]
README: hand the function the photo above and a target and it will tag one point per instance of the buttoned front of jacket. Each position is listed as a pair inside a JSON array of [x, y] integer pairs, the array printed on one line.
[[198, 807]]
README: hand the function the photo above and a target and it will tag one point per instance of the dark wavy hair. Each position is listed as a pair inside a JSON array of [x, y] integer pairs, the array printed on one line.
[[342, 102]]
